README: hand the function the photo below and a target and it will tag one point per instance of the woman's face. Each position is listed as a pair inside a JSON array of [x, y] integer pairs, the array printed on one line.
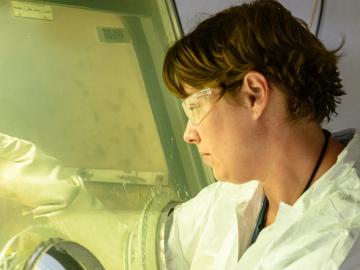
[[225, 138]]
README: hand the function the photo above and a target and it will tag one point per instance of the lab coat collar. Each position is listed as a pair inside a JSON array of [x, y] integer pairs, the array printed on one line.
[[327, 182], [325, 220], [334, 177]]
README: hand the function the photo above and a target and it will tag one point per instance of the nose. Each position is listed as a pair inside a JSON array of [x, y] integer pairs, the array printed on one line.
[[191, 135]]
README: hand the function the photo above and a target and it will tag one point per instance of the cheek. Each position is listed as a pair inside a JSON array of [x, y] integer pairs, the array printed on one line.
[[233, 141], [224, 132], [233, 155], [218, 134], [222, 143]]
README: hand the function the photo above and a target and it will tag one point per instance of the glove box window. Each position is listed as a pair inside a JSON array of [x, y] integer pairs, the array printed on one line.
[[91, 142]]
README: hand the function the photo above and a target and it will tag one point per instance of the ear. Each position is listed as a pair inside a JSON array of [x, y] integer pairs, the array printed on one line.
[[255, 93]]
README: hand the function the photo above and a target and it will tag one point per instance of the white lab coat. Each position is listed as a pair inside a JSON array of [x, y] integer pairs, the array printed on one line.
[[320, 231]]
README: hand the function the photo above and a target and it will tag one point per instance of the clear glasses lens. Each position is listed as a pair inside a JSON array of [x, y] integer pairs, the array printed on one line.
[[198, 105]]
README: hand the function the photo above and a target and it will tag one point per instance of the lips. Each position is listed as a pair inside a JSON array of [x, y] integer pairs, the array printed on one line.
[[206, 157]]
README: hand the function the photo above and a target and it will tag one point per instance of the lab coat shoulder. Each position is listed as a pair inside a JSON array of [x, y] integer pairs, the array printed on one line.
[[195, 226], [321, 230], [185, 226], [187, 223]]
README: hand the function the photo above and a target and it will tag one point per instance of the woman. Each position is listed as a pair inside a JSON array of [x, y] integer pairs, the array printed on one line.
[[256, 85]]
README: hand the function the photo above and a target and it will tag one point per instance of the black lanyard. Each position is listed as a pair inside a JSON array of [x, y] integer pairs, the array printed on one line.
[[260, 223]]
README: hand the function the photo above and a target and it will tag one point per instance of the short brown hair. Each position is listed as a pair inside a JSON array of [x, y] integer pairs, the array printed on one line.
[[262, 36]]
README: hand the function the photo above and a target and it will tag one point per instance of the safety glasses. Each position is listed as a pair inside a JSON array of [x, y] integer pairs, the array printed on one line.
[[199, 104]]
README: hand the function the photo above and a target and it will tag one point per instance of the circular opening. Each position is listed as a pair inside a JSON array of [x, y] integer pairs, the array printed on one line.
[[58, 254], [162, 233]]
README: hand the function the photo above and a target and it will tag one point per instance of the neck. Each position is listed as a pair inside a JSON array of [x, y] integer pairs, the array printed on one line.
[[294, 153]]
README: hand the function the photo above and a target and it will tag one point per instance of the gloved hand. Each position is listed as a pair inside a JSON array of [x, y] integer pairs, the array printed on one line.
[[32, 178]]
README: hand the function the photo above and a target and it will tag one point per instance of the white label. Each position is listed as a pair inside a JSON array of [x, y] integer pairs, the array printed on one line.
[[31, 10]]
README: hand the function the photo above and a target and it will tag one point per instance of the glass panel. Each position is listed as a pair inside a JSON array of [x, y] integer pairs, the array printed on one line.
[[91, 142]]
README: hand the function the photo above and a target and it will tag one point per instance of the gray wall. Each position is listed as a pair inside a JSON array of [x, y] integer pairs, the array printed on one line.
[[340, 18]]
